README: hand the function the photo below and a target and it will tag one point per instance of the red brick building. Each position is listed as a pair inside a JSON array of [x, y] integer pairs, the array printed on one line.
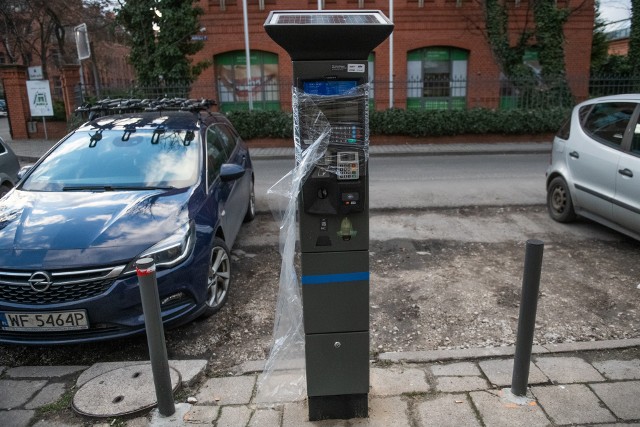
[[433, 40]]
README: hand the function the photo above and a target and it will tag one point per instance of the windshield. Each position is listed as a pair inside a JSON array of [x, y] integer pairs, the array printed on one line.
[[120, 160]]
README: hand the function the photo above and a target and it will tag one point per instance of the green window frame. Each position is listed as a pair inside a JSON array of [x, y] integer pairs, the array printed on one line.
[[437, 78], [233, 85]]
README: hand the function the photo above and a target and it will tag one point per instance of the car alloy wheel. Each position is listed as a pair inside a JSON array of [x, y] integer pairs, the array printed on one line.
[[218, 278]]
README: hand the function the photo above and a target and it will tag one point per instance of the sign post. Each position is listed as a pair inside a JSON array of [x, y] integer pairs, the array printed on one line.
[[40, 103]]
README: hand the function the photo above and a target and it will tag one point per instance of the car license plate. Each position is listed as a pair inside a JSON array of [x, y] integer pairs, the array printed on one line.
[[52, 321]]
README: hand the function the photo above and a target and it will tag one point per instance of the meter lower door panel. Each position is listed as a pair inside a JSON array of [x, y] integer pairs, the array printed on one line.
[[337, 364], [335, 292]]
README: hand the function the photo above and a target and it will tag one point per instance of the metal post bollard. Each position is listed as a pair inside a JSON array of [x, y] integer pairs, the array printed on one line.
[[527, 317], [146, 270]]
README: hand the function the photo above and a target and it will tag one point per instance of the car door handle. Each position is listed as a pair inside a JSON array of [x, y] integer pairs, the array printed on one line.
[[575, 154], [626, 172]]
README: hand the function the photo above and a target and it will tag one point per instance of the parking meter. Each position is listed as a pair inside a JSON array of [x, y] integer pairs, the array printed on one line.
[[329, 51]]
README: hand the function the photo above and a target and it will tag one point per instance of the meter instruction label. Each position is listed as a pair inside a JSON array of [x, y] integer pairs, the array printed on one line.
[[355, 68]]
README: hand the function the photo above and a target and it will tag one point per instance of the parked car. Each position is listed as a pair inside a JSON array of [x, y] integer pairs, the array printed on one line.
[[173, 186], [9, 167], [595, 165], [3, 108]]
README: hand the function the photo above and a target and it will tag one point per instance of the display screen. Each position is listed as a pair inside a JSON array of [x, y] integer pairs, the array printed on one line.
[[328, 87]]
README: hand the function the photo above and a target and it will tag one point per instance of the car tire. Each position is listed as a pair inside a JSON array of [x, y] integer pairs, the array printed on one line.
[[218, 278], [251, 209], [559, 203], [4, 189]]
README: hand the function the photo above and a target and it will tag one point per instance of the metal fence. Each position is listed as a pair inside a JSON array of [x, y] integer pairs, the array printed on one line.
[[417, 93]]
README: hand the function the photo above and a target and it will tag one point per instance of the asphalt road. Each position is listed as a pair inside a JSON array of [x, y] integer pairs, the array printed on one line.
[[414, 182]]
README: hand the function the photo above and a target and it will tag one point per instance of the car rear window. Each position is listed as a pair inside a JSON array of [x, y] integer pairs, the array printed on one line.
[[608, 121]]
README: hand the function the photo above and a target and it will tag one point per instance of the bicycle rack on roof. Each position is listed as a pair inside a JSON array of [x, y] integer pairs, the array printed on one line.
[[109, 106]]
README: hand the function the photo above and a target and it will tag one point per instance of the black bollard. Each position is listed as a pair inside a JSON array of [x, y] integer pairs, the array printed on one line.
[[146, 270], [527, 317]]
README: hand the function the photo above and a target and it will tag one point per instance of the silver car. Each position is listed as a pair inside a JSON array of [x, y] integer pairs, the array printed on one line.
[[595, 165], [9, 167]]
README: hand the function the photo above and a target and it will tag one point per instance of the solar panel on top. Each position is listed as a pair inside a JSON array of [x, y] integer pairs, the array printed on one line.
[[327, 19]]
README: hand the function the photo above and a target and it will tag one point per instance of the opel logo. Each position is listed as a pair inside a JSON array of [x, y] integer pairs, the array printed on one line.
[[40, 281]]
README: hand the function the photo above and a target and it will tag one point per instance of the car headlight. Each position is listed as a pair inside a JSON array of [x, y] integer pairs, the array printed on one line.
[[170, 251]]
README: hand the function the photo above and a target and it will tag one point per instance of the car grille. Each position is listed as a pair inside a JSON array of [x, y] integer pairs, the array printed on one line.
[[65, 286]]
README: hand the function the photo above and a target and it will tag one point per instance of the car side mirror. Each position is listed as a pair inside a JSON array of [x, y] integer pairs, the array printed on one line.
[[23, 171], [231, 171]]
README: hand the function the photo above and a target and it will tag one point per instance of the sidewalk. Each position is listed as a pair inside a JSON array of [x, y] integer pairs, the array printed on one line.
[[585, 383], [29, 150]]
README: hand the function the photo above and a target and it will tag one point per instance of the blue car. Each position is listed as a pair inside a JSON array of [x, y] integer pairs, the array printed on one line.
[[174, 186]]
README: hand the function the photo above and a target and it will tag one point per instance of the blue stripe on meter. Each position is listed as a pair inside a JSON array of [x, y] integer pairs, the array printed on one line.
[[335, 278]]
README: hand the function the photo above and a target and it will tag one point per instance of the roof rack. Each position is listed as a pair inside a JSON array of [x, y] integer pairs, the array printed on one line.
[[110, 106]]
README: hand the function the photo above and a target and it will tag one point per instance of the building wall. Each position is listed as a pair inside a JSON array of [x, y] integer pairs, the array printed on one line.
[[619, 47], [438, 23]]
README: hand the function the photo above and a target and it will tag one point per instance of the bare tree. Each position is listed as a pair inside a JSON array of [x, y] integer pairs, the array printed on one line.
[[32, 29]]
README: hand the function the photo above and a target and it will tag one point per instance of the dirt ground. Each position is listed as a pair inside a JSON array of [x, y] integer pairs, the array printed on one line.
[[425, 294]]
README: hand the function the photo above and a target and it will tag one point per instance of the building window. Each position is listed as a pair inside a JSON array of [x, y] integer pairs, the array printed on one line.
[[516, 93], [234, 85], [437, 78]]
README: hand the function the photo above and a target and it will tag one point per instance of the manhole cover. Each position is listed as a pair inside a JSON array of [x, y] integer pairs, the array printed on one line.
[[123, 391]]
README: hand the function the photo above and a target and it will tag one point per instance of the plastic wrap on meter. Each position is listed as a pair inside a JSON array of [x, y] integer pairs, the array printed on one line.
[[331, 135]]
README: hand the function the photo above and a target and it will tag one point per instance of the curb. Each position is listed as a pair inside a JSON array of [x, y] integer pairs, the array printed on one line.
[[484, 353]]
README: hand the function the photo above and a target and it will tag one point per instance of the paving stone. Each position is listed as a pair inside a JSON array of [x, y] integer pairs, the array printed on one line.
[[250, 367], [459, 354], [449, 410], [49, 394], [49, 423], [620, 425], [138, 422], [455, 369], [460, 384], [227, 391], [384, 412], [397, 380], [281, 387], [619, 369], [623, 398], [17, 393], [571, 404], [266, 417], [498, 411], [500, 372], [568, 370], [17, 418], [190, 370], [43, 371], [201, 415], [591, 345], [175, 420], [234, 416]]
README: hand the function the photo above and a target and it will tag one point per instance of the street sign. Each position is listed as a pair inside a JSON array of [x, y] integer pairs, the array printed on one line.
[[39, 94], [82, 41], [35, 73]]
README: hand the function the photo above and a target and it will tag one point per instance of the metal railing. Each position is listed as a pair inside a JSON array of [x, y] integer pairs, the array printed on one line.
[[416, 93]]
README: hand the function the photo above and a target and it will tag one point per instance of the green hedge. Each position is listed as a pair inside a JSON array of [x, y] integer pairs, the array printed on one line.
[[416, 123]]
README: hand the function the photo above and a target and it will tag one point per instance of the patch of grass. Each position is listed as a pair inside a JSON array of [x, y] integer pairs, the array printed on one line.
[[60, 405]]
